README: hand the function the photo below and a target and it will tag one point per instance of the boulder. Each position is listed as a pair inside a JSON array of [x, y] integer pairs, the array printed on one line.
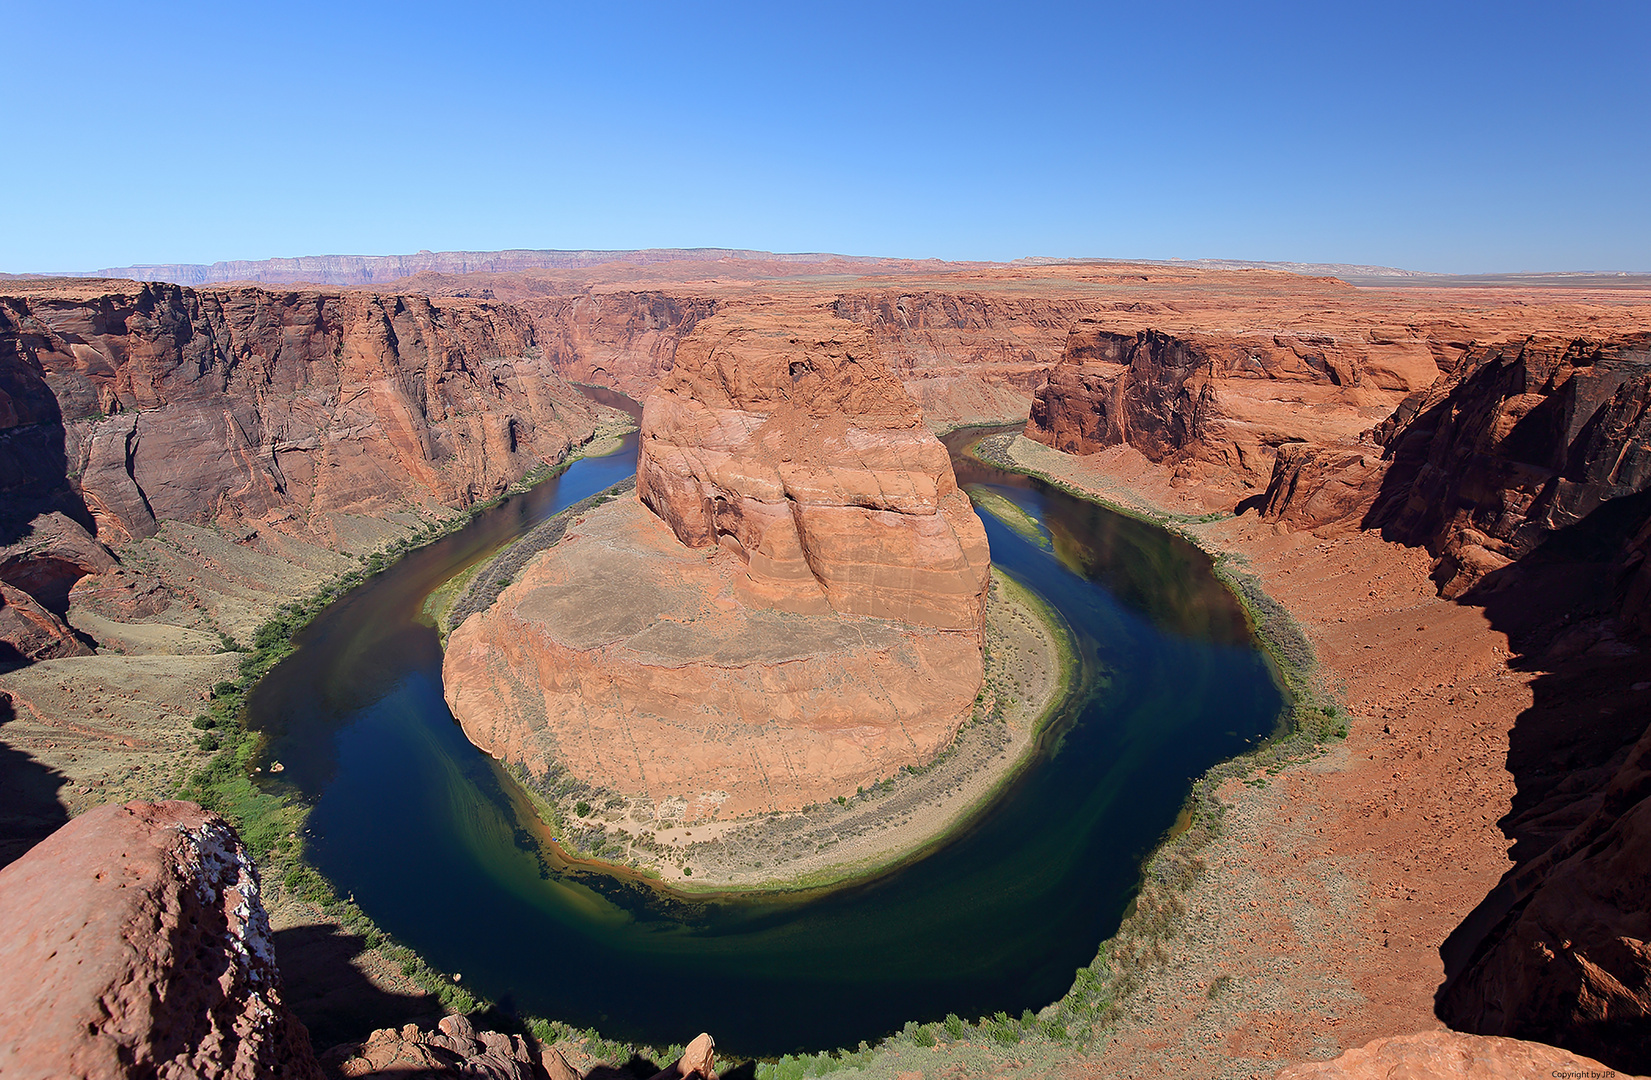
[[29, 632], [1314, 487], [1448, 1055], [698, 1059], [134, 944]]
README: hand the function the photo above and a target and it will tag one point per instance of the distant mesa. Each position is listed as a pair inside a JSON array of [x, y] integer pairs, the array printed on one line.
[[799, 614], [352, 270]]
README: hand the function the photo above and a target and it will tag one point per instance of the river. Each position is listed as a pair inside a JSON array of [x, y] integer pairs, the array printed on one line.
[[438, 844]]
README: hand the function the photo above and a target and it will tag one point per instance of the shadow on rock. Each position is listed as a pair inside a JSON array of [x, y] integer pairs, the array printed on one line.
[[1557, 952], [30, 810], [334, 999]]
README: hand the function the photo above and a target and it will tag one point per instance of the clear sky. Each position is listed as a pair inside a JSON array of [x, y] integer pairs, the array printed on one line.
[[1462, 137]]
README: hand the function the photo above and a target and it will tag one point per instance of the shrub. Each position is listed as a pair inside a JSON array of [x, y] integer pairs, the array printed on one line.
[[204, 722]]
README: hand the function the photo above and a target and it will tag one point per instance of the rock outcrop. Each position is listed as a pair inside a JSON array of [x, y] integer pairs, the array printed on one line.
[[1214, 404], [787, 440], [1448, 1055], [456, 1049], [134, 944], [799, 616], [29, 632]]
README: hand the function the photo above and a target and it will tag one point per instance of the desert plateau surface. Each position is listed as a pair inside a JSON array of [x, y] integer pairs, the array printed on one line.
[[510, 663]]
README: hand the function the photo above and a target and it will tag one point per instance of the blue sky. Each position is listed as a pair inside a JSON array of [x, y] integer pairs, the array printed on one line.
[[1459, 137]]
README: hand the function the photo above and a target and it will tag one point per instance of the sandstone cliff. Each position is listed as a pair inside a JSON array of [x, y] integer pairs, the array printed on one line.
[[1570, 961], [1521, 439], [135, 944], [1220, 406], [1526, 472], [192, 404], [623, 340], [786, 440], [124, 405]]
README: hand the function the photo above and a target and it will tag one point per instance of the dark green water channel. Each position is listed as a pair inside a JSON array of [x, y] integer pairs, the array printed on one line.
[[435, 841]]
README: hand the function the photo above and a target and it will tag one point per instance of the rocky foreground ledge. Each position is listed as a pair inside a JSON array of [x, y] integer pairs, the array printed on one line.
[[134, 943]]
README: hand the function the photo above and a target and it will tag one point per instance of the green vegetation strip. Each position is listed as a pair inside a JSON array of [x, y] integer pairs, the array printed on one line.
[[486, 584], [1019, 521]]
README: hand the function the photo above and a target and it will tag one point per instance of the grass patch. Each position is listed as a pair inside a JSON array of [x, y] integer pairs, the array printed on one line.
[[1011, 515]]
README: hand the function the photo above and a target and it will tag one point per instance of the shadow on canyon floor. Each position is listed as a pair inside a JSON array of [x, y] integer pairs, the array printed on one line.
[[30, 810], [334, 999], [1559, 606]]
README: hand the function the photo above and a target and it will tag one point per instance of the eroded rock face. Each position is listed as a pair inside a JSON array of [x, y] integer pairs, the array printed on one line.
[[134, 944], [643, 666], [1447, 1055], [29, 632], [1219, 404], [1571, 961], [1522, 439], [245, 403], [786, 440]]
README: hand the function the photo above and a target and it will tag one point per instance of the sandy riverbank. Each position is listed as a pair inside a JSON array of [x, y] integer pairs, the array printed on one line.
[[1028, 666]]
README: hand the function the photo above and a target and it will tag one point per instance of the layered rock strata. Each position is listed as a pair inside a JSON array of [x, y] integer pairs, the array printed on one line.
[[799, 615], [786, 440], [282, 413], [135, 944], [1218, 405]]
